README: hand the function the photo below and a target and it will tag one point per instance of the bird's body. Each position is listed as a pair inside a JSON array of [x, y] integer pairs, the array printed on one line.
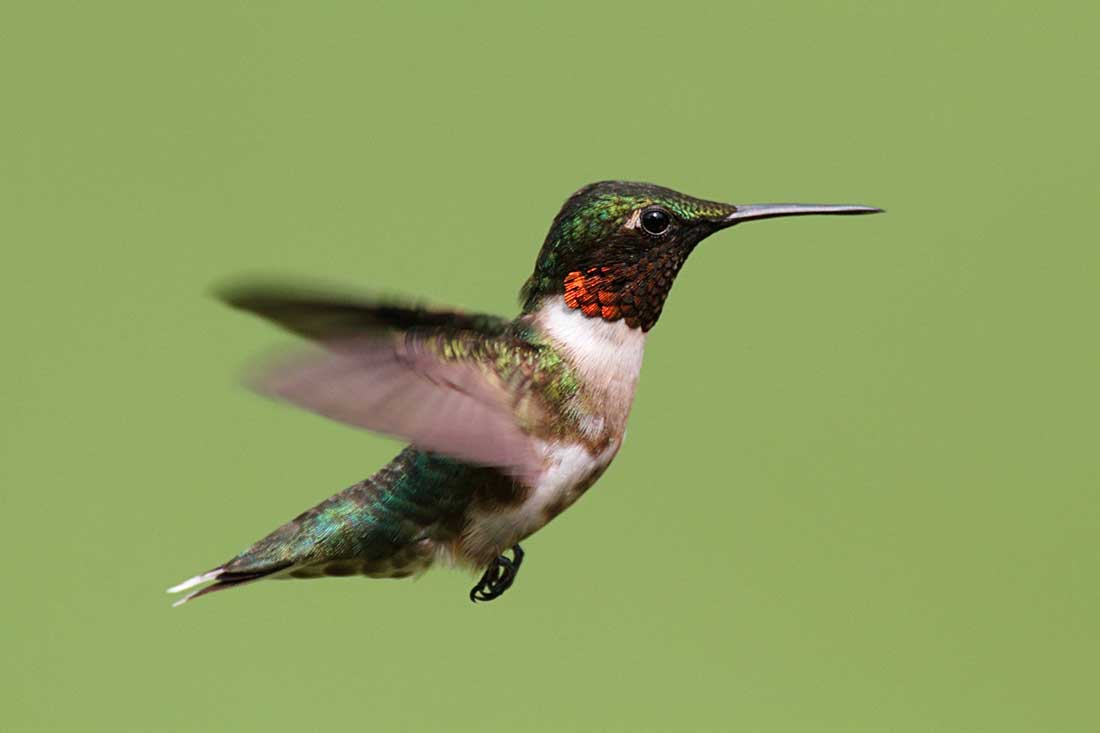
[[511, 421]]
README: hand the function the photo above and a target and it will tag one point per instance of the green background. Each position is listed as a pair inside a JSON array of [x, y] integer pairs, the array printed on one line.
[[859, 492]]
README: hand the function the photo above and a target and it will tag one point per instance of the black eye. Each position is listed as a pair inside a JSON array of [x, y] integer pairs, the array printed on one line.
[[656, 221]]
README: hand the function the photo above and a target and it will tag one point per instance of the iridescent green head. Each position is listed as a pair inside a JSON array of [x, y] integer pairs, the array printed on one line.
[[616, 246]]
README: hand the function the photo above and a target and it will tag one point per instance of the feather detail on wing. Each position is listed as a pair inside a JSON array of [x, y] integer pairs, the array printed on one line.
[[448, 382]]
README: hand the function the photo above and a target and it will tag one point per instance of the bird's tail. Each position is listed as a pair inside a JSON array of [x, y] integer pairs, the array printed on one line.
[[223, 579], [379, 527]]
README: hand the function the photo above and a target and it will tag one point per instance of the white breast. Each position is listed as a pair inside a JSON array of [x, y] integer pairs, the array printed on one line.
[[606, 354]]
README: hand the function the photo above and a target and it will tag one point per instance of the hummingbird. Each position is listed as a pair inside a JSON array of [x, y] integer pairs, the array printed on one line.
[[509, 421]]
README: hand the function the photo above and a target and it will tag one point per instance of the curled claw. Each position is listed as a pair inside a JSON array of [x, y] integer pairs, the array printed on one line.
[[498, 577]]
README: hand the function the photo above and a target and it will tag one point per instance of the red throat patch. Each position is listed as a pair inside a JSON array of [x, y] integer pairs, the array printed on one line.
[[583, 291], [635, 292]]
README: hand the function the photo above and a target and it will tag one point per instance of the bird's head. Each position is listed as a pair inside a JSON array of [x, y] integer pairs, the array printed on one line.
[[616, 246]]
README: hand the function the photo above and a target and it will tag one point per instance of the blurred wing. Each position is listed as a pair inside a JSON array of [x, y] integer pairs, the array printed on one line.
[[405, 372], [325, 317]]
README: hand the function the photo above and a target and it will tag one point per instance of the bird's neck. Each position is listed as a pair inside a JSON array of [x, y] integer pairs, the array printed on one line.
[[606, 356]]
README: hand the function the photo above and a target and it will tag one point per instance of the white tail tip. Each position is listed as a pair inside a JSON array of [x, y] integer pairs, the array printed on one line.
[[186, 598], [192, 582]]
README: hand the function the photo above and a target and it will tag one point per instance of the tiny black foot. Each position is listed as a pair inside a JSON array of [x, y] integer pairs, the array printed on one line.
[[498, 577]]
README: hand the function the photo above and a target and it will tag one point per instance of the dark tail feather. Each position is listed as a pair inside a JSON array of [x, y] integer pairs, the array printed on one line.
[[223, 580]]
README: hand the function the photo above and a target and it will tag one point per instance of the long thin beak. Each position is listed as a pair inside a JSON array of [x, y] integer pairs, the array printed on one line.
[[751, 212]]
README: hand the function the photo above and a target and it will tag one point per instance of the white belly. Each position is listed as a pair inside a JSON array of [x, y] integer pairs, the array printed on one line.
[[570, 470]]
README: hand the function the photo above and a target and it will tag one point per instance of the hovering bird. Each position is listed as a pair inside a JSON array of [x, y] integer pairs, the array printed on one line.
[[510, 421]]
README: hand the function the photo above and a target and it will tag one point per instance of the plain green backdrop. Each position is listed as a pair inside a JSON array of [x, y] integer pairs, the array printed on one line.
[[859, 490]]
